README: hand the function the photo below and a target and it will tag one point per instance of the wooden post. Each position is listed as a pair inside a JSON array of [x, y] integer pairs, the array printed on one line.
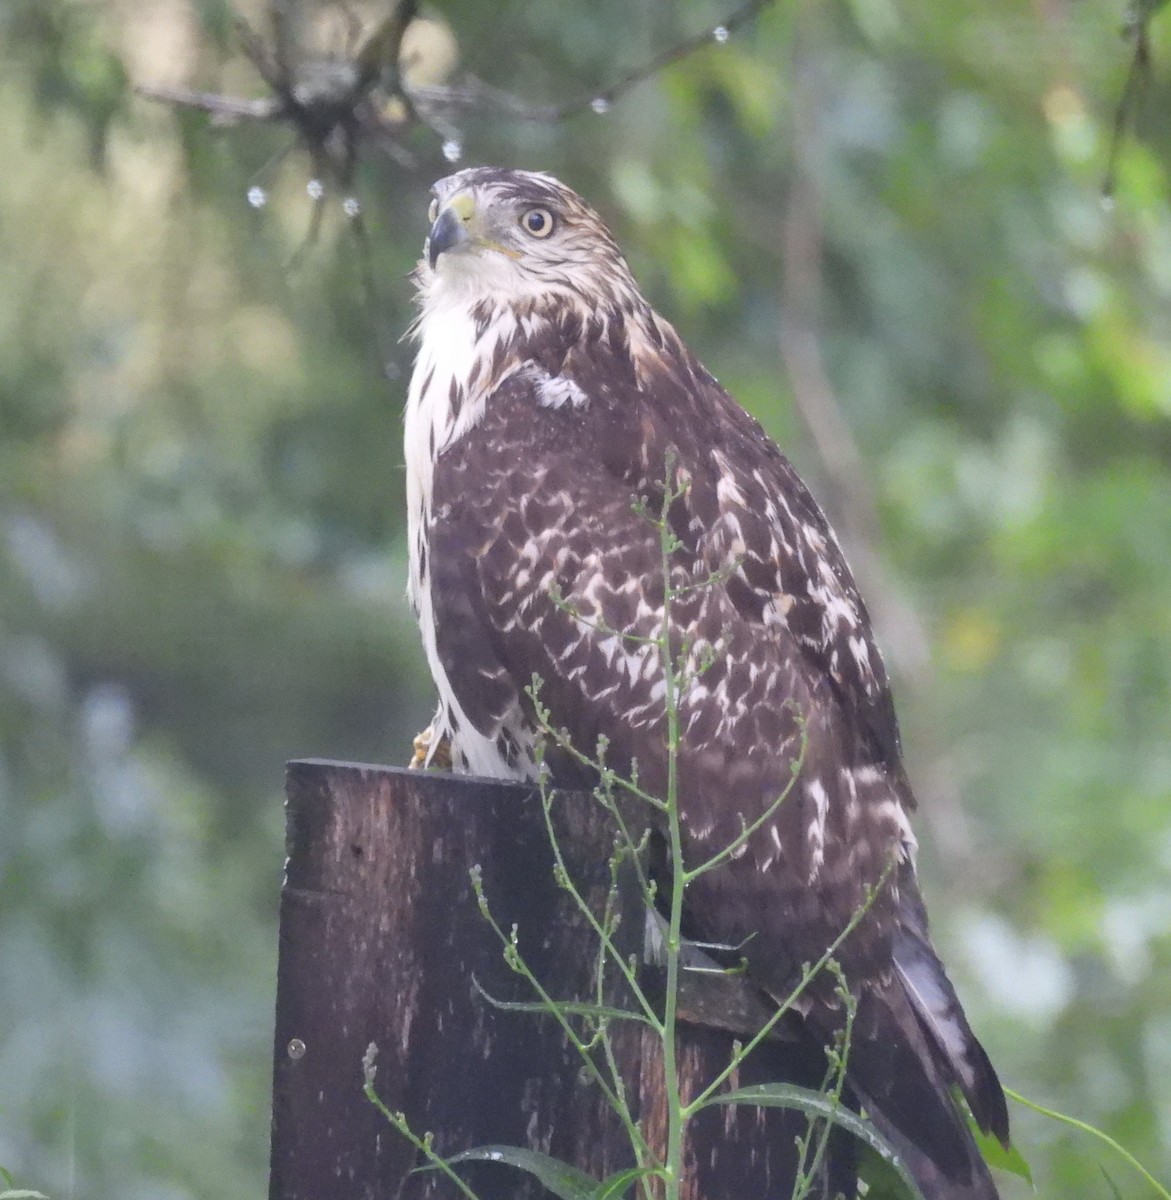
[[380, 941]]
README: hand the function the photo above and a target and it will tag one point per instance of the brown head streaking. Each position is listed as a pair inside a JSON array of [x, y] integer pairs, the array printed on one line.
[[547, 399]]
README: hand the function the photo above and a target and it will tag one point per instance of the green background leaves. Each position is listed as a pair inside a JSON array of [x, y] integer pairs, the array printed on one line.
[[883, 212]]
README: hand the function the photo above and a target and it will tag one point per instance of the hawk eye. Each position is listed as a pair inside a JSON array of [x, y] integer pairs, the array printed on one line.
[[433, 211], [538, 222]]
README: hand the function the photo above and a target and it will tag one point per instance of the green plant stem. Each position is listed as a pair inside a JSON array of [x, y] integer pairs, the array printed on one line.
[[677, 1112], [1085, 1127], [634, 848], [400, 1123], [603, 934], [749, 829], [807, 975], [641, 1150], [557, 1011], [833, 1088], [562, 742]]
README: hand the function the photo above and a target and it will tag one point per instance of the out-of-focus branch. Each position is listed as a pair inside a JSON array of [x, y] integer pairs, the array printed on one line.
[[1136, 29], [718, 33], [333, 104], [851, 497], [328, 102]]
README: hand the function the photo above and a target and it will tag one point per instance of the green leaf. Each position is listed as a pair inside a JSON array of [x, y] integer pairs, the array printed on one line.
[[619, 1183], [573, 1008], [1093, 1131], [1003, 1158], [1114, 1191], [816, 1104], [882, 1181], [562, 1179]]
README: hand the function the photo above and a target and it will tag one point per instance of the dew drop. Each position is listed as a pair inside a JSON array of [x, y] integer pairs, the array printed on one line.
[[316, 189], [257, 197], [453, 150], [600, 105], [351, 206], [296, 1048], [720, 34], [495, 1155]]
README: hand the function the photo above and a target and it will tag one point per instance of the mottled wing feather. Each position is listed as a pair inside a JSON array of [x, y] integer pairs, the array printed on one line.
[[541, 563], [748, 505], [536, 503], [939, 1012], [538, 419]]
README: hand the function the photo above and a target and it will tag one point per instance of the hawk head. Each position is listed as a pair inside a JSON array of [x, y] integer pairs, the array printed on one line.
[[511, 236]]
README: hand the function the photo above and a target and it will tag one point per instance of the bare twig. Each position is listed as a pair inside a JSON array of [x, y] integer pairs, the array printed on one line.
[[1136, 29], [854, 505], [224, 110], [328, 101], [852, 499], [474, 94], [718, 33]]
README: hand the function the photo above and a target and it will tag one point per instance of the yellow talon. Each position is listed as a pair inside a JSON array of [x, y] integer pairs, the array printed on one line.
[[424, 756]]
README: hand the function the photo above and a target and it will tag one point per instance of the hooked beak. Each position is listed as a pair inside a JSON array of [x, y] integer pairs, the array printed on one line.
[[451, 227]]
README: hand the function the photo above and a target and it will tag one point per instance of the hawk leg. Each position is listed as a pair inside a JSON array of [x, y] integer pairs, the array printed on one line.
[[430, 752]]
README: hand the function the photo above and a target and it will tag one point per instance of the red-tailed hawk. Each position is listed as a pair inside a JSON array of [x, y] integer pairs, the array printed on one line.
[[548, 398]]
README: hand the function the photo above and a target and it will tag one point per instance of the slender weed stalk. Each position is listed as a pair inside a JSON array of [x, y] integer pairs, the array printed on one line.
[[588, 1025]]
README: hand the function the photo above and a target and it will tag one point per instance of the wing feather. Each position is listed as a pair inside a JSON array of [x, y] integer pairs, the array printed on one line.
[[580, 403], [552, 572], [538, 502]]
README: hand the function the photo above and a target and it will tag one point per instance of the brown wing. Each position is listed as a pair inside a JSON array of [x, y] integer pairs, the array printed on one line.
[[538, 554], [538, 502]]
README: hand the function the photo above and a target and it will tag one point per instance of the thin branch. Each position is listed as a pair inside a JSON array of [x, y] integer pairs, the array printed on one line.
[[516, 962], [853, 504], [376, 65], [629, 974], [749, 828], [833, 1086], [1138, 76], [562, 741], [474, 93], [718, 33], [807, 975], [400, 1123], [224, 110], [327, 101]]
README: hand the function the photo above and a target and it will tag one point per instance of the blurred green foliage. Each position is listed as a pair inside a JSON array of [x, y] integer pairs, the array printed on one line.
[[202, 563]]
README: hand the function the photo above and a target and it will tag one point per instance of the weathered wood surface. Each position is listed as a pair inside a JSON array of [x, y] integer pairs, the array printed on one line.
[[380, 939]]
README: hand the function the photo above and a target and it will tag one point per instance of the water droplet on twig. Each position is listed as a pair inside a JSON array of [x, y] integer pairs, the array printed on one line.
[[720, 34], [453, 150], [316, 189], [352, 206], [257, 197], [600, 105]]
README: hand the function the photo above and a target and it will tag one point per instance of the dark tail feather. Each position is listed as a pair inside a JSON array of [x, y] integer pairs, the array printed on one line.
[[896, 1074], [938, 1010]]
